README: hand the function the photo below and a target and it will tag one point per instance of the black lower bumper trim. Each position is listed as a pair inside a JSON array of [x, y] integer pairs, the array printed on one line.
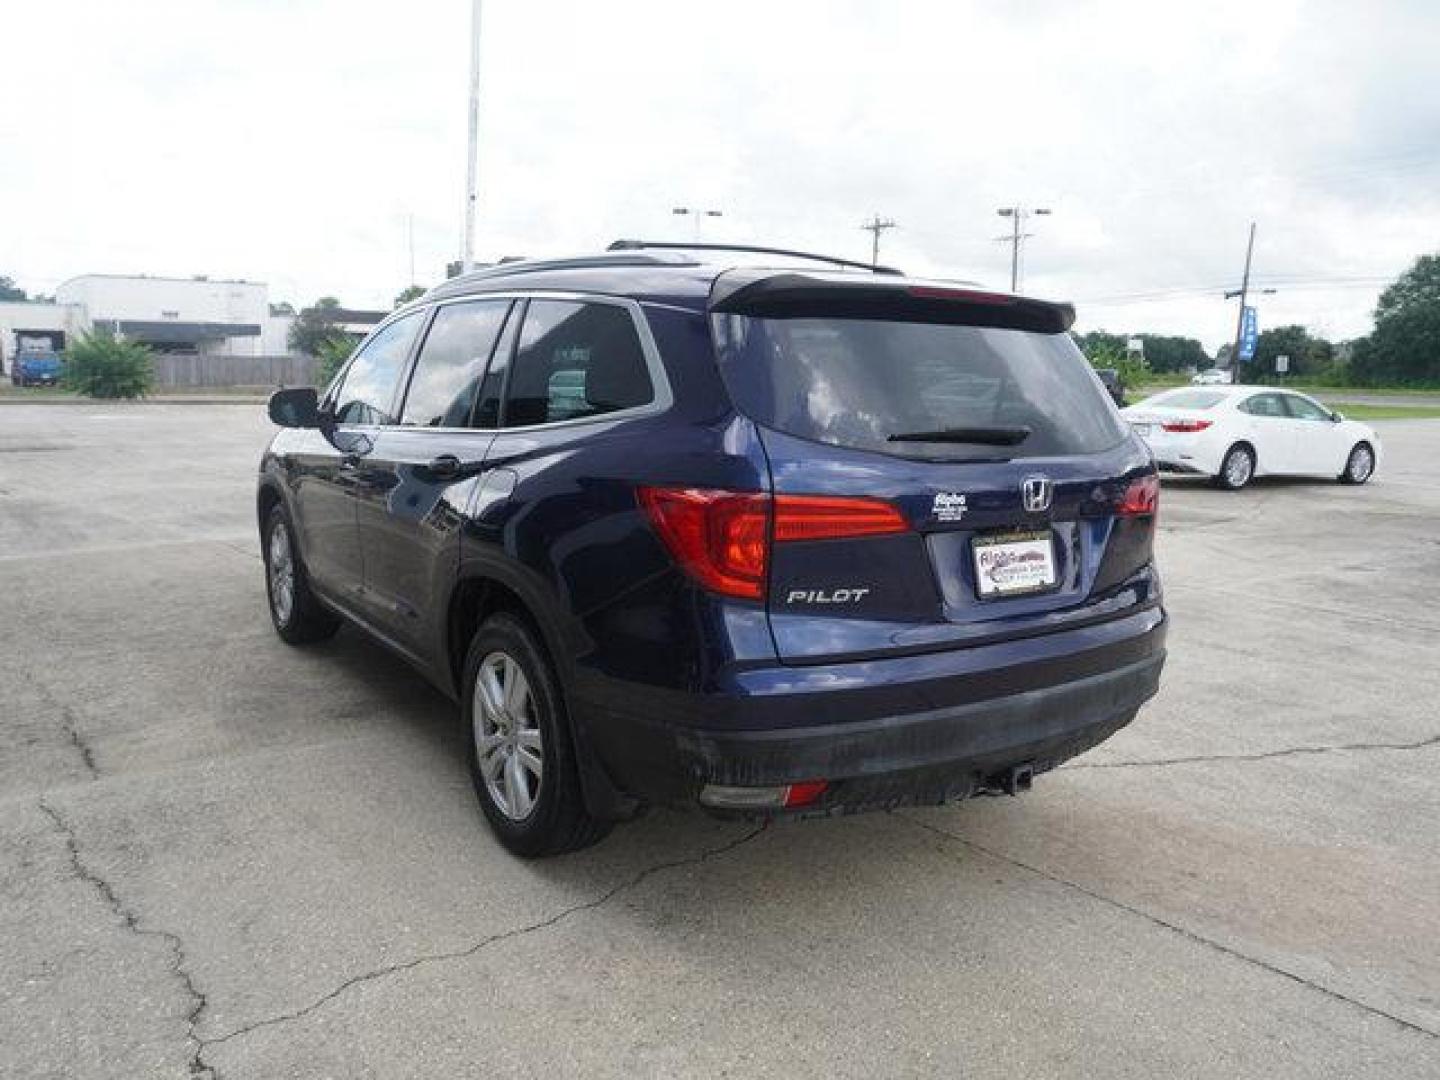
[[928, 756]]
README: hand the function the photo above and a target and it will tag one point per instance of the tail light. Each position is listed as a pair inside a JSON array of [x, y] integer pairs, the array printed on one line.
[[1141, 498], [1186, 427], [722, 538]]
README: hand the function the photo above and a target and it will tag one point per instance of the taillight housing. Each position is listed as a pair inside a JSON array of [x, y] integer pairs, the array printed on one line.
[[1141, 498], [1186, 427], [722, 538]]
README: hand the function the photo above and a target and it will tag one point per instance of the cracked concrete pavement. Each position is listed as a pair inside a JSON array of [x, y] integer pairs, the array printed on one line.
[[223, 857]]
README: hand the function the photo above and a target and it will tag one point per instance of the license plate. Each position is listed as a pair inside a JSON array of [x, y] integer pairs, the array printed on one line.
[[1014, 564], [1141, 429]]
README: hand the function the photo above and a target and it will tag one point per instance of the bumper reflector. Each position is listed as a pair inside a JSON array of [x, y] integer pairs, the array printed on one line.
[[785, 796]]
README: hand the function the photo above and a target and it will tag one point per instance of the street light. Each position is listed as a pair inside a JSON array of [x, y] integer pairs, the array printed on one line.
[[1017, 216], [697, 215]]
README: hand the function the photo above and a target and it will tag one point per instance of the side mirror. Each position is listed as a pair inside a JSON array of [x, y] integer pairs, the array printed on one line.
[[297, 407], [1336, 417]]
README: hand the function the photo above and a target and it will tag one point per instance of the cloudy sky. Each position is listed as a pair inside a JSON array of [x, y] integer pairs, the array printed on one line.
[[293, 141]]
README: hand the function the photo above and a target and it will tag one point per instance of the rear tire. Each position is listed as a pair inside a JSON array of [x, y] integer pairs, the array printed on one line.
[[1237, 468], [1360, 465], [298, 616], [522, 756]]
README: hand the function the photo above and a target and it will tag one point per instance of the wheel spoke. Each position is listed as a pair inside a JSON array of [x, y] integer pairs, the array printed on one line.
[[491, 762], [517, 690], [517, 789], [529, 739], [532, 761], [491, 693]]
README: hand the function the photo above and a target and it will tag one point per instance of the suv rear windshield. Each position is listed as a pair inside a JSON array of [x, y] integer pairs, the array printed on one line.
[[862, 382]]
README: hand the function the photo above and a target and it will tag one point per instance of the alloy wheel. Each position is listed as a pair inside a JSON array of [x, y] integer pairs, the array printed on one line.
[[1362, 464], [508, 742], [1238, 468], [281, 573]]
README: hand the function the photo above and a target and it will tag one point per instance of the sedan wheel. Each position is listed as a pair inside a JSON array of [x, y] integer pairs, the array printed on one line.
[[1361, 465], [1237, 469], [509, 744]]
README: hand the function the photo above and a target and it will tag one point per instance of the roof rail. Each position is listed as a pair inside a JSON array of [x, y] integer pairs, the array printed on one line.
[[580, 262], [670, 245]]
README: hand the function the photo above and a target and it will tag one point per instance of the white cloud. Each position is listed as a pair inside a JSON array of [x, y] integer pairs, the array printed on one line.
[[289, 141]]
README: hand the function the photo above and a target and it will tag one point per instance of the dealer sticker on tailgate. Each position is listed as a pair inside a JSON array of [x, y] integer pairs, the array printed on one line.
[[1013, 564]]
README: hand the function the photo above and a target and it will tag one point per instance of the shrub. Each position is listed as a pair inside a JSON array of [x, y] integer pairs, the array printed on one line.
[[101, 365]]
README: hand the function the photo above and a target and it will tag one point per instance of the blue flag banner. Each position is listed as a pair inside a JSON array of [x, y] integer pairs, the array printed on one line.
[[1249, 333]]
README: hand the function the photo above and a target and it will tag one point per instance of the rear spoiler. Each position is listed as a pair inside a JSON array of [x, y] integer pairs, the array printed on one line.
[[789, 294]]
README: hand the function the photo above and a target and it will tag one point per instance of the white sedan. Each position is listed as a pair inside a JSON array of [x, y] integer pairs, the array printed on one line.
[[1235, 433]]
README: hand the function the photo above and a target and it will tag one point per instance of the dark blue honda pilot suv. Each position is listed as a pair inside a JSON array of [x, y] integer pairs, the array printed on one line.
[[671, 527]]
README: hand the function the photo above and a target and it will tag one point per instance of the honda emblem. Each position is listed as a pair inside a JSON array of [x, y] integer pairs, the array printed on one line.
[[1035, 493]]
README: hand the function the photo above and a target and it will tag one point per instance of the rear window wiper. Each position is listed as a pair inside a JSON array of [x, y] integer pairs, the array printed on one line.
[[981, 436]]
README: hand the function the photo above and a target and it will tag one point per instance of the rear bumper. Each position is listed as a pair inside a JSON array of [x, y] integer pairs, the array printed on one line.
[[1037, 714]]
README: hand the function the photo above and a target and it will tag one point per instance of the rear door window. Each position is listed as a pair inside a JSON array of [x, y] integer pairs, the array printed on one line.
[[876, 385], [452, 363], [575, 360], [366, 395], [1271, 405], [1304, 409]]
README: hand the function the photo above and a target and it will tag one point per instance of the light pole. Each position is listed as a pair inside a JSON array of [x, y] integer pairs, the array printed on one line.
[[696, 215], [467, 258], [1017, 216]]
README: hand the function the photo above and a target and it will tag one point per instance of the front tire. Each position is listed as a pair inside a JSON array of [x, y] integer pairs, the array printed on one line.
[[1360, 465], [1237, 468], [522, 758], [298, 616]]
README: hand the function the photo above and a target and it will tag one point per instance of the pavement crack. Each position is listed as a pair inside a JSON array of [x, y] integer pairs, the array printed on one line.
[[493, 939], [1175, 928], [69, 724], [1265, 755], [130, 919]]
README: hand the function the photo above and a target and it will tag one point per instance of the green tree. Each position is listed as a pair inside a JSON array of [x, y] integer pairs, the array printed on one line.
[[333, 352], [410, 292], [1108, 351], [103, 366], [315, 325], [10, 291], [1309, 356], [1168, 353], [1404, 348]]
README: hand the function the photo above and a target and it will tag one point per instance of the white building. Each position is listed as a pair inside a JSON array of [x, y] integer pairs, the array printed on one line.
[[192, 315], [40, 326]]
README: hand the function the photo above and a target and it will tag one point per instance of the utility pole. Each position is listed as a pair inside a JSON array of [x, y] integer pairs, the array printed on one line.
[[875, 226], [695, 214], [410, 235], [1243, 293], [1017, 216], [467, 259]]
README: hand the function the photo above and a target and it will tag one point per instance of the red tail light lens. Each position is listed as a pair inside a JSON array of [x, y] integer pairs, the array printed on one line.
[[722, 538], [1142, 498], [1187, 427], [805, 793], [821, 517]]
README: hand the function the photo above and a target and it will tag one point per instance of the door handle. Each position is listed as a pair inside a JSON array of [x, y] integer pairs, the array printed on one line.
[[444, 467]]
